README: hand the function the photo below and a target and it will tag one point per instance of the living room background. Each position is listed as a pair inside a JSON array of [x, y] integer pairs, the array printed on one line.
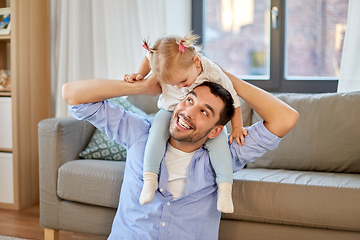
[[102, 39]]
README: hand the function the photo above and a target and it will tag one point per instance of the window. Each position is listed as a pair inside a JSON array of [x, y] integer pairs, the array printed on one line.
[[279, 45]]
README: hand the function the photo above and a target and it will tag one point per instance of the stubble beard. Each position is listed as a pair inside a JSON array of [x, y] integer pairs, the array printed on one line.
[[188, 138]]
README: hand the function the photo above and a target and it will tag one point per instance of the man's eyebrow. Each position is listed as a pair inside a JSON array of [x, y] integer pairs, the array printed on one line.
[[206, 105], [210, 108], [193, 93]]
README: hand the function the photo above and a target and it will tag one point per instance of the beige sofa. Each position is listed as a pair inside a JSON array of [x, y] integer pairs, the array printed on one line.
[[307, 188]]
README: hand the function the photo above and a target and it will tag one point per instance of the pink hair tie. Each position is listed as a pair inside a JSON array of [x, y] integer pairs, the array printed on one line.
[[146, 47], [181, 47]]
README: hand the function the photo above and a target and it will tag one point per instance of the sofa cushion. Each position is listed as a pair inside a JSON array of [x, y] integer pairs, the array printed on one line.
[[326, 137], [299, 198], [91, 181]]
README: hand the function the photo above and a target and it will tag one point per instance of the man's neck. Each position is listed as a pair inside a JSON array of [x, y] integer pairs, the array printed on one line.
[[185, 146]]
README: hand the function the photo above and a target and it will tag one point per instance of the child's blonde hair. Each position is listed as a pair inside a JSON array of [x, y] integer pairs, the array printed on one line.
[[172, 53]]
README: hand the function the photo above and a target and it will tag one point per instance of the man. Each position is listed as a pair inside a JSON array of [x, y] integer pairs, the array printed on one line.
[[184, 206]]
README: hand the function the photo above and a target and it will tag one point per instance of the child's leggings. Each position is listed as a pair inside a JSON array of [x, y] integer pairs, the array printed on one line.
[[218, 147]]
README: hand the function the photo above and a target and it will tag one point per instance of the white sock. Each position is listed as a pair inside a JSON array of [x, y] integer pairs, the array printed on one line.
[[224, 198], [150, 186]]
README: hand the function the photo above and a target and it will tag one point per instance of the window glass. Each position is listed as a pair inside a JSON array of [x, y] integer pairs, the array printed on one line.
[[237, 36], [314, 37]]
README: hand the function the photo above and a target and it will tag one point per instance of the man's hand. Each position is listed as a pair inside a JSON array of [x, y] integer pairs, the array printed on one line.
[[130, 78], [238, 134], [153, 86]]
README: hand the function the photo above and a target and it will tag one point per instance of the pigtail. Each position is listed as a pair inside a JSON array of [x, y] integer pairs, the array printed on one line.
[[189, 40], [146, 45]]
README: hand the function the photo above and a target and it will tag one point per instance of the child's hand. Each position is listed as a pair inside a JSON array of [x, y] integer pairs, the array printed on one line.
[[130, 78], [238, 134]]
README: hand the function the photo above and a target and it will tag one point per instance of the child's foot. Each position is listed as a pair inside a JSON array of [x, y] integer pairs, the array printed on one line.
[[224, 202], [149, 188]]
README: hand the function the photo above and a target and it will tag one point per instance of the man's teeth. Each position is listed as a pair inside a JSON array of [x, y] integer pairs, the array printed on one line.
[[183, 124]]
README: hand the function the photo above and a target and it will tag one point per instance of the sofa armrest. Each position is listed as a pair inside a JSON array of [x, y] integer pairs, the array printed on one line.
[[60, 141]]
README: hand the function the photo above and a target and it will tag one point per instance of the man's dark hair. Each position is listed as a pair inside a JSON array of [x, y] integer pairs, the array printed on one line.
[[228, 112]]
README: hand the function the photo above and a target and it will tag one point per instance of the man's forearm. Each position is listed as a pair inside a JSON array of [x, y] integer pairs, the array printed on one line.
[[236, 121], [96, 90], [279, 118]]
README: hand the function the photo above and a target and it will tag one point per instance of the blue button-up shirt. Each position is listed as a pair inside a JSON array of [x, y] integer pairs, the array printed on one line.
[[192, 216]]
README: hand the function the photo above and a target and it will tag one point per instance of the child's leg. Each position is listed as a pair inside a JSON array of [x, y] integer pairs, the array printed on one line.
[[156, 143], [221, 161], [154, 153]]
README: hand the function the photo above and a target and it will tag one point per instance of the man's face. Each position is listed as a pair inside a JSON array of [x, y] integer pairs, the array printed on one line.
[[194, 118]]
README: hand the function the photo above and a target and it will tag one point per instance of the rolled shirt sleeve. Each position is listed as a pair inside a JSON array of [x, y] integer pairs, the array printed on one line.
[[119, 125]]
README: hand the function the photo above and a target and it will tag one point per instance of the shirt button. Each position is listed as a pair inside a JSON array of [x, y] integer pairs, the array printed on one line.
[[163, 224], [161, 189], [168, 203]]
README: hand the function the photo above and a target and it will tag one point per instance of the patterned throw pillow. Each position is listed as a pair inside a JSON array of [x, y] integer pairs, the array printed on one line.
[[100, 145]]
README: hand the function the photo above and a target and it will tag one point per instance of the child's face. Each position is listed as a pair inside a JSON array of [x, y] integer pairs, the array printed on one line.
[[185, 77]]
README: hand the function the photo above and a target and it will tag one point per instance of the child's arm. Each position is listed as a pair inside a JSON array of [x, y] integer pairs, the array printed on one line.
[[143, 70], [238, 131]]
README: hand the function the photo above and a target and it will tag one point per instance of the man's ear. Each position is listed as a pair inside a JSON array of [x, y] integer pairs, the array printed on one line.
[[215, 131]]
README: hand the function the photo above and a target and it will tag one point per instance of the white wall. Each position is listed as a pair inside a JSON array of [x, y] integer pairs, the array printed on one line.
[[178, 14], [102, 39]]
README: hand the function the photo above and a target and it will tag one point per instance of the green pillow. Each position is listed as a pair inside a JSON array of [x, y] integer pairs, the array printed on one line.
[[100, 145]]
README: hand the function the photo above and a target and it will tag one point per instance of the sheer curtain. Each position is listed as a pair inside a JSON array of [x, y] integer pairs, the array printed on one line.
[[102, 38], [349, 78]]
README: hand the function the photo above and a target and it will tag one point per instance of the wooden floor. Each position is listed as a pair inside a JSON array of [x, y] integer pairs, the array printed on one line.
[[25, 224]]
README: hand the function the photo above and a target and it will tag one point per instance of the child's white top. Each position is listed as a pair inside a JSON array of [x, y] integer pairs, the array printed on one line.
[[171, 95]]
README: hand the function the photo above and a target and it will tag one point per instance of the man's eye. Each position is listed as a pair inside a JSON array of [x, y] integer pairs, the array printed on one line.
[[190, 100], [204, 112]]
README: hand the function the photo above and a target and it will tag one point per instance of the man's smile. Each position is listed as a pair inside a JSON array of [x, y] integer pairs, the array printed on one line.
[[182, 123]]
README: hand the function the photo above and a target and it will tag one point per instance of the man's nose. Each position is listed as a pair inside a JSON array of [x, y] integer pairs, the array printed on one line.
[[190, 112]]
